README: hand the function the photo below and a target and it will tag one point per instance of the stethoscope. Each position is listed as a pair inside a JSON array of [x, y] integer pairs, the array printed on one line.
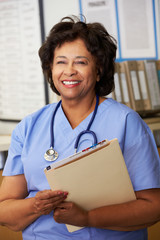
[[51, 154]]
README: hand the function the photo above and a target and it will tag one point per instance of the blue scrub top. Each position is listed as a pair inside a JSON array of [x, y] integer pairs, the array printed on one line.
[[31, 138]]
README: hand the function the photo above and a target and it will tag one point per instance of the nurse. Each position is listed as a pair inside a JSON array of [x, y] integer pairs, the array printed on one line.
[[78, 62]]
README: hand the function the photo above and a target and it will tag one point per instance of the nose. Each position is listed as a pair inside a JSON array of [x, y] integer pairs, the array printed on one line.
[[70, 71]]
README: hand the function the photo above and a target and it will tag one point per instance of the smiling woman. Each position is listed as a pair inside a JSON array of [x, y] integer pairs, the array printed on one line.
[[91, 36], [74, 71], [78, 62]]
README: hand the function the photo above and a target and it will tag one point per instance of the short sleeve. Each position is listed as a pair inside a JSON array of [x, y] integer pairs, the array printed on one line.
[[13, 165], [141, 154]]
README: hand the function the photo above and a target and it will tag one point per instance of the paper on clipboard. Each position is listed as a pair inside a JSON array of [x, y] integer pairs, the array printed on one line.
[[94, 178]]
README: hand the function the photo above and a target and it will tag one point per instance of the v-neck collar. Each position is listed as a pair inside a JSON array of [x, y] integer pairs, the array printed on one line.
[[70, 133], [66, 126], [64, 123]]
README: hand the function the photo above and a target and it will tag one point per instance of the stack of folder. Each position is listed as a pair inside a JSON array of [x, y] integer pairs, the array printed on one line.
[[137, 84]]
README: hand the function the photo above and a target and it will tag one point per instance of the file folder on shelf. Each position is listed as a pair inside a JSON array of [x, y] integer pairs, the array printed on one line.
[[124, 83], [94, 177], [158, 70], [134, 85], [144, 85], [118, 85], [152, 77]]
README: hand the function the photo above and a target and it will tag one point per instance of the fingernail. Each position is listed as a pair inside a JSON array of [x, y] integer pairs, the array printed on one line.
[[65, 193], [59, 193]]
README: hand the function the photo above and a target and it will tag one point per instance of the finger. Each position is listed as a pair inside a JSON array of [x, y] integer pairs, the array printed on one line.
[[65, 205], [46, 194], [41, 205], [47, 208], [54, 203]]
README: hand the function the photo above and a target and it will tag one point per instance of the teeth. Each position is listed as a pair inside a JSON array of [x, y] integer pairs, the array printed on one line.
[[70, 82]]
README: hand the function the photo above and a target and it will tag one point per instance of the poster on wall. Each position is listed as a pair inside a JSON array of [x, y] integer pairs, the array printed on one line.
[[103, 12], [137, 28], [131, 23], [22, 87]]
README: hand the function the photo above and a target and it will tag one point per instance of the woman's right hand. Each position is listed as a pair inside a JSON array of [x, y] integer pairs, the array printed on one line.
[[17, 211], [48, 200]]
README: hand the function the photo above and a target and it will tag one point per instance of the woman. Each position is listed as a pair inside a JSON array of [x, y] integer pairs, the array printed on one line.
[[78, 61]]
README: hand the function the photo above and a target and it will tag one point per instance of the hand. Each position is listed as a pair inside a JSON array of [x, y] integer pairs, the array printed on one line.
[[48, 200], [70, 213]]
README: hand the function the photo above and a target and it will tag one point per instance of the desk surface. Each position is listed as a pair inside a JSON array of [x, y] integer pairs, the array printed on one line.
[[4, 142]]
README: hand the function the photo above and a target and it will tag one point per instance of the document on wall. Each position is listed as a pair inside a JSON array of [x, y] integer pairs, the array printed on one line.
[[103, 12], [21, 79], [137, 28]]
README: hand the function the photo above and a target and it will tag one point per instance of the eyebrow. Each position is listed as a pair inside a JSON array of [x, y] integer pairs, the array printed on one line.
[[77, 57]]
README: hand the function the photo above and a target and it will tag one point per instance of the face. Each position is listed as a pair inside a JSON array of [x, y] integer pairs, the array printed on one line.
[[74, 71]]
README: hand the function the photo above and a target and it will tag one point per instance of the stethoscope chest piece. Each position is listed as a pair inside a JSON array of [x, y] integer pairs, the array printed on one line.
[[51, 155]]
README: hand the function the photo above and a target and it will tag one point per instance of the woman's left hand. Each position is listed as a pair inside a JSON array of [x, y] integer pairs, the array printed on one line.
[[70, 213]]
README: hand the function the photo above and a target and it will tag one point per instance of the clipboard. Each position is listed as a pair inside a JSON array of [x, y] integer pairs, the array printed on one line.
[[94, 177]]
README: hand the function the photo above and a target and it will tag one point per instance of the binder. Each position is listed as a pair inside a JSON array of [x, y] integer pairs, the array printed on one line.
[[144, 85], [153, 84], [158, 70], [124, 83], [118, 85], [134, 85], [95, 177]]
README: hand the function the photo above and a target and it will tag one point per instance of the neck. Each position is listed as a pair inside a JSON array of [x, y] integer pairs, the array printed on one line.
[[77, 111]]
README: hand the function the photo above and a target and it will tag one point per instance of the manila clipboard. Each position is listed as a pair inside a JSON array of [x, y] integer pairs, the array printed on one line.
[[95, 177]]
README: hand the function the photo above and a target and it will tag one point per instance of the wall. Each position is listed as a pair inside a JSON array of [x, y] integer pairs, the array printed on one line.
[[157, 8], [6, 128], [57, 9]]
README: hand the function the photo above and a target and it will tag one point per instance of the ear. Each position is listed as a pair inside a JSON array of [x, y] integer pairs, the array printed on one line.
[[98, 78], [98, 74]]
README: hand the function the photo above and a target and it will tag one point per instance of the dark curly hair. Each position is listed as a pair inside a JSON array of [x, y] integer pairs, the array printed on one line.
[[97, 41]]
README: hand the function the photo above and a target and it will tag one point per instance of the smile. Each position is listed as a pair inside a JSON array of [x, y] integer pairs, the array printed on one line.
[[70, 82]]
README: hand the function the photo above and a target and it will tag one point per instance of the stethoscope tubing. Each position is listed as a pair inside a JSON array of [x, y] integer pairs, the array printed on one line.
[[47, 156], [52, 125]]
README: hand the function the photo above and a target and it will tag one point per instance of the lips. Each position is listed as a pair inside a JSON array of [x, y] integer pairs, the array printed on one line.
[[71, 82], [66, 82]]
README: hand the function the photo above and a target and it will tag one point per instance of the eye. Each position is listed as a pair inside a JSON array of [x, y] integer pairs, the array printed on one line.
[[61, 62], [81, 62]]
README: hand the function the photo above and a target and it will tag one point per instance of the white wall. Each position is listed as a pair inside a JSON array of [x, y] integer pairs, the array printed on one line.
[[157, 7], [55, 10], [6, 128]]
